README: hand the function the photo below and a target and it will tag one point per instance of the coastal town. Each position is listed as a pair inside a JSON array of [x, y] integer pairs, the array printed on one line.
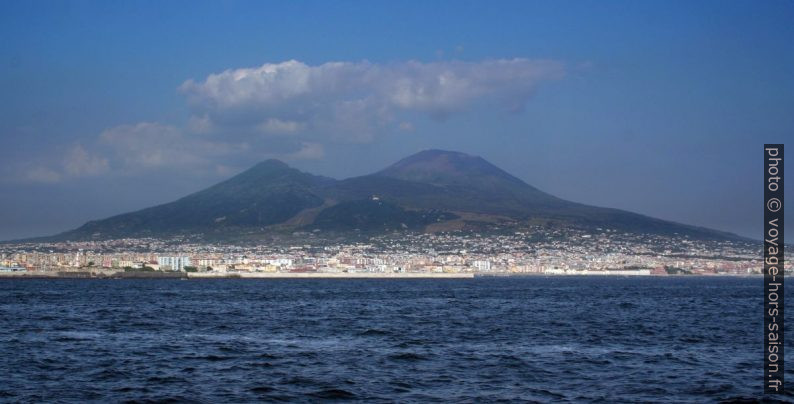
[[537, 251]]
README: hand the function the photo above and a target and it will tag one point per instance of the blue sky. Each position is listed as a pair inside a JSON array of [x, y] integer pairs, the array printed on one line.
[[655, 107]]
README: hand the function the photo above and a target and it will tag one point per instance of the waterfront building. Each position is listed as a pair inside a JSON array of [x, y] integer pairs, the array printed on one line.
[[174, 263]]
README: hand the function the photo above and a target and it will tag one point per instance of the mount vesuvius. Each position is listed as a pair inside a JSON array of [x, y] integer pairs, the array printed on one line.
[[433, 190]]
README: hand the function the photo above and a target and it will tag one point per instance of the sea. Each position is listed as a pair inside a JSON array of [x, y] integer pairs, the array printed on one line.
[[499, 339]]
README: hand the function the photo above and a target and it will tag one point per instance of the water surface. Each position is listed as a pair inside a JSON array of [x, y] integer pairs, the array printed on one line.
[[609, 339]]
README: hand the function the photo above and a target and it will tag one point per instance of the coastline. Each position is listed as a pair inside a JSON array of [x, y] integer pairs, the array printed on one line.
[[236, 275], [305, 275]]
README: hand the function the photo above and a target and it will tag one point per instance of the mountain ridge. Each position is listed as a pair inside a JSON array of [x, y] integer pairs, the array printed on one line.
[[428, 190]]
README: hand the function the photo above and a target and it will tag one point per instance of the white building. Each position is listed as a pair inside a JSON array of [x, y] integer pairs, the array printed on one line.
[[173, 263], [482, 265]]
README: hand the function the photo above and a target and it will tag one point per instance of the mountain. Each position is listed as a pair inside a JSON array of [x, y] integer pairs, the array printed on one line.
[[433, 190], [269, 193], [467, 183]]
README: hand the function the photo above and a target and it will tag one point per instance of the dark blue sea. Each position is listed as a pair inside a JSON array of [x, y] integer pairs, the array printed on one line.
[[542, 339]]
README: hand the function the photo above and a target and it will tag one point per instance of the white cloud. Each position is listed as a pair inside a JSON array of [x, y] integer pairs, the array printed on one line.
[[199, 124], [147, 145], [292, 110], [356, 99], [277, 126], [76, 163], [80, 163]]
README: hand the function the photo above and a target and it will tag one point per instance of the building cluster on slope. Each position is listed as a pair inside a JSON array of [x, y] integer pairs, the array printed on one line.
[[536, 251]]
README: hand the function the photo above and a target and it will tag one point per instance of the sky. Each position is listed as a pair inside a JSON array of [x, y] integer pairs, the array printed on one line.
[[656, 107]]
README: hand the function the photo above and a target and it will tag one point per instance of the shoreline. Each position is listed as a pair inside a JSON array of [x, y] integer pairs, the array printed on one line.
[[310, 275], [238, 275]]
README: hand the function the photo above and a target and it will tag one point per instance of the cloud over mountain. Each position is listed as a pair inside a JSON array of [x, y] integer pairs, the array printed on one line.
[[292, 110], [351, 97], [154, 145], [75, 162]]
